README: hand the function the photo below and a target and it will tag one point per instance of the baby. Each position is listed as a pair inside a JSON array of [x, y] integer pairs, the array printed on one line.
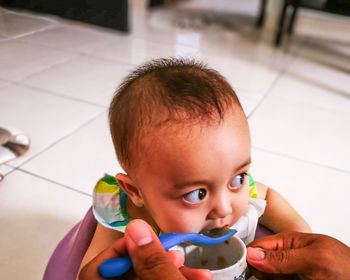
[[182, 138]]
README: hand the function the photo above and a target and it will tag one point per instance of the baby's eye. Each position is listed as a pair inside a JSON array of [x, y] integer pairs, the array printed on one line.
[[195, 196], [238, 181]]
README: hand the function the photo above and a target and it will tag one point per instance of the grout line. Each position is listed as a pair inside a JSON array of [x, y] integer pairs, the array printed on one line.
[[302, 160], [267, 92], [296, 54], [27, 33], [45, 91], [6, 81], [13, 169], [63, 24], [35, 15], [52, 23], [52, 181], [61, 95], [119, 62], [82, 52], [59, 140], [77, 53], [74, 55], [5, 12], [45, 68], [317, 107]]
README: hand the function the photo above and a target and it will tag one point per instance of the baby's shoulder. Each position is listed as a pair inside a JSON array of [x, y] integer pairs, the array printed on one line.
[[104, 237], [262, 189]]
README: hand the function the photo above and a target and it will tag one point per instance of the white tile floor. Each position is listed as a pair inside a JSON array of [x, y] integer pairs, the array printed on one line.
[[57, 78]]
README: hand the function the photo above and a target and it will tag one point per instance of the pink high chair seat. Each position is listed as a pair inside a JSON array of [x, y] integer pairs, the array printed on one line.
[[66, 258], [65, 261]]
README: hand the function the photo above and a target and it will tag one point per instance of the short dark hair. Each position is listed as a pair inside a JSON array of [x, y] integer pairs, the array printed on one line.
[[184, 89]]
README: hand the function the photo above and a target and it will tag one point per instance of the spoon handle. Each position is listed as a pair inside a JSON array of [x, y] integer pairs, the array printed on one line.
[[118, 266], [115, 266]]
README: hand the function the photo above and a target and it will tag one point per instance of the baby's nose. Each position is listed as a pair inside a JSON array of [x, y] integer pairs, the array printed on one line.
[[221, 209]]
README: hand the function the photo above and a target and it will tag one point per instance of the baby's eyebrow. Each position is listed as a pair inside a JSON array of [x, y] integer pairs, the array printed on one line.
[[247, 162], [183, 185]]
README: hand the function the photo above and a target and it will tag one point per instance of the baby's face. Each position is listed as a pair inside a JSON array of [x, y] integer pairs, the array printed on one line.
[[194, 177]]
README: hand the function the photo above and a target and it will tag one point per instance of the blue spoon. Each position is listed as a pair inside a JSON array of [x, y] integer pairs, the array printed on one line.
[[118, 266]]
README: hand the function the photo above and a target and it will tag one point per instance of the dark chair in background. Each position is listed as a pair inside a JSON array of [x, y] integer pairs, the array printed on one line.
[[107, 13], [260, 17], [341, 7]]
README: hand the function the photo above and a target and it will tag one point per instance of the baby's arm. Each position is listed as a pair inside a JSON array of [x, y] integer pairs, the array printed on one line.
[[103, 239], [279, 215]]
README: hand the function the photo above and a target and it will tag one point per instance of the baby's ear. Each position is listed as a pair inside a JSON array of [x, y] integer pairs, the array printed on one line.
[[130, 188]]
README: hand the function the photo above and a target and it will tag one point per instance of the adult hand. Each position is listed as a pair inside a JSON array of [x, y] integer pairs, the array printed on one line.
[[309, 256], [149, 258]]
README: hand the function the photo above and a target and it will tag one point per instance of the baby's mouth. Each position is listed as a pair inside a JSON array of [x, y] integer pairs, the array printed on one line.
[[216, 232], [215, 228]]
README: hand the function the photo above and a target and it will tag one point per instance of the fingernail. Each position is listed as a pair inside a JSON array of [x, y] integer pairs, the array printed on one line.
[[139, 231], [256, 254]]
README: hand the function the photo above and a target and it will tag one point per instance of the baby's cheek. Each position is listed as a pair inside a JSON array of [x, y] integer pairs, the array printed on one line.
[[240, 207]]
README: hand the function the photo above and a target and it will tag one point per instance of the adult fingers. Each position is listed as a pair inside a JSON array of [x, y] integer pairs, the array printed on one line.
[[196, 274], [177, 257], [283, 240], [287, 252], [284, 261], [148, 256]]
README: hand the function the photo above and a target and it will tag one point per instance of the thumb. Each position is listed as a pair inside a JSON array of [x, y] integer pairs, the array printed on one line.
[[147, 253], [284, 261]]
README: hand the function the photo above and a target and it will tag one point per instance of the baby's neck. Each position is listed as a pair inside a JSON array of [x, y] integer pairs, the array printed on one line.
[[135, 212]]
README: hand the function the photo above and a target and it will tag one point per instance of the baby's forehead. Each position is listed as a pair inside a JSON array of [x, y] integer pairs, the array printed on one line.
[[167, 122], [183, 130], [177, 127], [189, 150]]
